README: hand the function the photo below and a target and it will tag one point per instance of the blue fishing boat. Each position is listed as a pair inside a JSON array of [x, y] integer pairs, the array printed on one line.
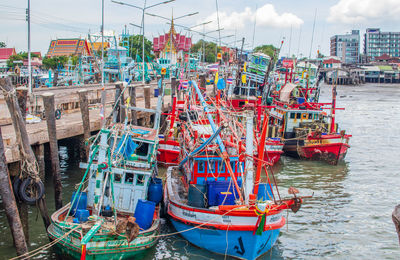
[[213, 197]]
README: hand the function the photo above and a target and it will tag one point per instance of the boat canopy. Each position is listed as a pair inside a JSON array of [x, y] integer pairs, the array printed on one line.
[[285, 92]]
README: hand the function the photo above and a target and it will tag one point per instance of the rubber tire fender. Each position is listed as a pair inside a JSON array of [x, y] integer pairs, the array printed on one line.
[[16, 183], [23, 194]]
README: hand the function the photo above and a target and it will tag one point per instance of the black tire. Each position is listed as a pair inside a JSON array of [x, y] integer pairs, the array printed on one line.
[[57, 114], [31, 191], [16, 184]]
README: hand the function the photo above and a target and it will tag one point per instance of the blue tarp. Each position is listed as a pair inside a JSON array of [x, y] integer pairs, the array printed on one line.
[[128, 147]]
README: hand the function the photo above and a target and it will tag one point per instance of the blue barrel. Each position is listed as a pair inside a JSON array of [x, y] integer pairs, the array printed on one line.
[[80, 202], [197, 195], [300, 100], [226, 198], [155, 192], [215, 187], [264, 191], [156, 92], [144, 213], [82, 215]]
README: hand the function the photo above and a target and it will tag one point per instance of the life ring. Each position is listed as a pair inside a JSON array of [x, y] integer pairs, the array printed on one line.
[[30, 191]]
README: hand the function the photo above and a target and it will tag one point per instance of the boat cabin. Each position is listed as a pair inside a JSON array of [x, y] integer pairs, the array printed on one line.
[[212, 168], [133, 155]]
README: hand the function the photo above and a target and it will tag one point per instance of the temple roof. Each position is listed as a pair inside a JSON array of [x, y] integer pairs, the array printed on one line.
[[68, 47]]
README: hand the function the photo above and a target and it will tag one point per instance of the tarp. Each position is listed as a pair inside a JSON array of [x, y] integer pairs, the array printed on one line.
[[126, 147], [285, 92]]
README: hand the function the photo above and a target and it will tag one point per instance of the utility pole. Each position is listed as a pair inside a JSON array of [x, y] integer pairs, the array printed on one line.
[[28, 18], [144, 9]]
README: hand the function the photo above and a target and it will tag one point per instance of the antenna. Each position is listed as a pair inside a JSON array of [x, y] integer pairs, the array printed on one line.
[[312, 36]]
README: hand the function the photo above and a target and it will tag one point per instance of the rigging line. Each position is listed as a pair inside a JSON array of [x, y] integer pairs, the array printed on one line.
[[13, 7]]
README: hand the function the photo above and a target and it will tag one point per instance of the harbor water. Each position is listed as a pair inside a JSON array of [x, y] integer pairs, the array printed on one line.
[[349, 215]]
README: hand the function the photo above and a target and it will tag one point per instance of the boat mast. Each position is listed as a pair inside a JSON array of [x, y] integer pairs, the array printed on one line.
[[249, 181], [332, 130]]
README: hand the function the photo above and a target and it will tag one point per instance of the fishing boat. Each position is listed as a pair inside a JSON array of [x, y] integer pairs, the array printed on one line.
[[213, 198], [117, 215], [306, 129]]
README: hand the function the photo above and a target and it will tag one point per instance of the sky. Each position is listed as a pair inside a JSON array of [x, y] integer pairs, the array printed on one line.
[[258, 21]]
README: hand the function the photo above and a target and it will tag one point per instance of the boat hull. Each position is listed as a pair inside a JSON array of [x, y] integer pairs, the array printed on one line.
[[168, 153], [273, 152], [239, 244]]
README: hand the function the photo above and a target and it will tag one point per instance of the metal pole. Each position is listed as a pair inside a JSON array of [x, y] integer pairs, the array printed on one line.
[[144, 8], [102, 44], [29, 47]]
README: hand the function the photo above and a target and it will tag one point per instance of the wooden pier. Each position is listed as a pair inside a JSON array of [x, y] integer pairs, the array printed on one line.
[[70, 124]]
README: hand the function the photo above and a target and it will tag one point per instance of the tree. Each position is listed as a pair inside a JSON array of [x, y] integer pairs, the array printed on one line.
[[2, 45], [56, 64], [11, 62], [209, 48], [267, 49], [135, 47]]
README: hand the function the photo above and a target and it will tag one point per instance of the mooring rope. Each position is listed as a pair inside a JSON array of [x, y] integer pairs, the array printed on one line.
[[44, 247]]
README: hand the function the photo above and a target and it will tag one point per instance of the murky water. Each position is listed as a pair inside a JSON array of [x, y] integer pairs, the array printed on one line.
[[349, 216]]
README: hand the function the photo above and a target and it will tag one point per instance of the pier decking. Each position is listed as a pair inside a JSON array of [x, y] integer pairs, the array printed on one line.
[[70, 124]]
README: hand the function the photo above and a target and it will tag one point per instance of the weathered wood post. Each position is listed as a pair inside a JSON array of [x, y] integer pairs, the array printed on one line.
[[84, 106], [122, 113], [39, 154], [9, 204], [132, 90], [103, 106], [23, 208], [396, 220], [146, 91], [116, 111], [173, 88], [23, 140], [22, 93], [48, 101]]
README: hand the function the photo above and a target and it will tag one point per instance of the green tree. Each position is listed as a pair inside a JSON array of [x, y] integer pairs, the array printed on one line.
[[12, 61], [135, 47], [2, 45], [56, 64], [209, 48], [268, 49]]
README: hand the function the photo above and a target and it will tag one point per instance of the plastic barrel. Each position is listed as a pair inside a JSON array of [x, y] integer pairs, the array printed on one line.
[[155, 191], [144, 213], [80, 202], [82, 215], [300, 100], [156, 92], [197, 195], [227, 196], [215, 187], [264, 191]]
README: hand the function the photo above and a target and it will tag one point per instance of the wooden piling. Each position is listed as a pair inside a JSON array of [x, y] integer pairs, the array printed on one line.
[[173, 87], [39, 154], [146, 91], [22, 93], [121, 102], [202, 78], [48, 101], [84, 106], [132, 93], [10, 205], [396, 220], [23, 141]]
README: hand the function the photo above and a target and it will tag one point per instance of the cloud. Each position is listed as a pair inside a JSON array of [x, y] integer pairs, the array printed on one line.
[[266, 16], [356, 11]]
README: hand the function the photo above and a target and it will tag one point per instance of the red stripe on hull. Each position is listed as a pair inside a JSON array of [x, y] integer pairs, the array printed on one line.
[[278, 225]]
